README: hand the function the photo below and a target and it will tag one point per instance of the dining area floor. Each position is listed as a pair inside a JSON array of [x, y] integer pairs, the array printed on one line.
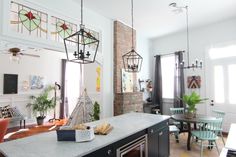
[[180, 149]]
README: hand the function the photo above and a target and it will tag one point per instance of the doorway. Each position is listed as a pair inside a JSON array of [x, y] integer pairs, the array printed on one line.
[[221, 82]]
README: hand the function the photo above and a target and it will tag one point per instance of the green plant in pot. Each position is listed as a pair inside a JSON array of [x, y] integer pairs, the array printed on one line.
[[191, 101], [96, 111], [42, 104]]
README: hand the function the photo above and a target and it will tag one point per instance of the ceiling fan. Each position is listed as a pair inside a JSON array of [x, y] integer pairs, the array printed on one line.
[[16, 53]]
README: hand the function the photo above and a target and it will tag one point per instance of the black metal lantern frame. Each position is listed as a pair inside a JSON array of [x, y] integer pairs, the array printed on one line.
[[132, 60], [84, 43]]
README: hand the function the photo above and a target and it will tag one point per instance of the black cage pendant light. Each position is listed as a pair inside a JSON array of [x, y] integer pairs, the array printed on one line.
[[84, 43], [132, 60], [197, 63]]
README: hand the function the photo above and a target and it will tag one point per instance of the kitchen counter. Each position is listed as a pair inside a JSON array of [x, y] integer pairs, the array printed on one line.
[[46, 144]]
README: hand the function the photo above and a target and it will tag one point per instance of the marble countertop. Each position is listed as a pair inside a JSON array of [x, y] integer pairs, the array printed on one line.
[[46, 144]]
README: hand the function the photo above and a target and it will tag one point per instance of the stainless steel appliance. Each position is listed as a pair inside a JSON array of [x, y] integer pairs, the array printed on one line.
[[135, 148]]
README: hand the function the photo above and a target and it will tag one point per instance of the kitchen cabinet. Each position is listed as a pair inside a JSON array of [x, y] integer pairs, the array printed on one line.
[[158, 140]]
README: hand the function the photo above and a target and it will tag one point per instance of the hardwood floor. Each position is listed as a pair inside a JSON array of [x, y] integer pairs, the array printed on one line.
[[180, 149]]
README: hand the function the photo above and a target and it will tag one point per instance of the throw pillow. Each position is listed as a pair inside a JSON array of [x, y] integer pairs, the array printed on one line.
[[6, 111]]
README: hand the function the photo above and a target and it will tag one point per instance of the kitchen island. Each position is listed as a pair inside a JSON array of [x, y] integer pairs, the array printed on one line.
[[127, 128]]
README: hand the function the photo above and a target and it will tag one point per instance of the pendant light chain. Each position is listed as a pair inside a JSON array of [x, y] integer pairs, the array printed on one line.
[[187, 29], [132, 15], [82, 21], [197, 63]]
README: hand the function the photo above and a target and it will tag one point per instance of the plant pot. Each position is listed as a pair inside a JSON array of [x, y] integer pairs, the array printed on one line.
[[190, 114], [40, 120]]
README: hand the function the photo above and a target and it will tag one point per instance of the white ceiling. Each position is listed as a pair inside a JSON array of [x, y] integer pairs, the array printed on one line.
[[154, 18]]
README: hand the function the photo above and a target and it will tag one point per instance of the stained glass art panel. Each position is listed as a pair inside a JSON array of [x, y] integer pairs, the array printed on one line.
[[28, 21], [61, 29]]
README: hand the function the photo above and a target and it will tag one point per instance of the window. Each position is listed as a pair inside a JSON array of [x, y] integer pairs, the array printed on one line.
[[167, 69], [219, 84], [232, 83], [224, 52]]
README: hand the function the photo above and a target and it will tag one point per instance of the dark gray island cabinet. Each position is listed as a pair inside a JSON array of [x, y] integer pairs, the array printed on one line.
[[133, 135], [157, 144]]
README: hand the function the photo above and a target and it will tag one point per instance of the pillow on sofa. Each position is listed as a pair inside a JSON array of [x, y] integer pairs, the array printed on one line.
[[6, 111]]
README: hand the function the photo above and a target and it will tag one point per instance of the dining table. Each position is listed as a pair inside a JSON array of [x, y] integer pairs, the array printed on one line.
[[188, 121]]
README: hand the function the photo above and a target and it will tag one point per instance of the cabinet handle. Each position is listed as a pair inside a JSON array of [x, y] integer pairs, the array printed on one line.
[[161, 133], [109, 152]]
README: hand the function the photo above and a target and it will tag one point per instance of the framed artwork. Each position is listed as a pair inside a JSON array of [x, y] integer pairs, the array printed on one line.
[[194, 82], [36, 82], [61, 29], [127, 82], [98, 79], [28, 21]]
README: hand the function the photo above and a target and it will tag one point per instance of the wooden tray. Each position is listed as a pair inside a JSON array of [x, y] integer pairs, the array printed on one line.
[[107, 131]]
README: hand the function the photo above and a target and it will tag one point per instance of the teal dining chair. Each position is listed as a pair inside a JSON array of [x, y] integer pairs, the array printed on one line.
[[173, 129], [220, 114], [207, 133]]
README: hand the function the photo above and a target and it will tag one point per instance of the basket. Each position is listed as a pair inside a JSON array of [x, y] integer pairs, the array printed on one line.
[[84, 135]]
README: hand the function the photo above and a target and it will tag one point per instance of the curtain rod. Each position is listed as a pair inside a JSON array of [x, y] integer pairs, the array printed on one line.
[[168, 53]]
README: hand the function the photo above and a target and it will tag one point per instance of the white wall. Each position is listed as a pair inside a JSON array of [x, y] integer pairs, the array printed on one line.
[[201, 39], [48, 65], [92, 20], [143, 49]]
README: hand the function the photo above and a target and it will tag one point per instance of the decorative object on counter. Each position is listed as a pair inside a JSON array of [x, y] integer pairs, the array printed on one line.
[[149, 88], [82, 112], [197, 64], [140, 82], [132, 60], [191, 101], [127, 82], [194, 82], [103, 129], [42, 104], [81, 41], [36, 82], [56, 88], [96, 111], [78, 133]]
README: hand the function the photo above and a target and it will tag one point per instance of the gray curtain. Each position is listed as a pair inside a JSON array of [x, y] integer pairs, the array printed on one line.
[[157, 91], [178, 80]]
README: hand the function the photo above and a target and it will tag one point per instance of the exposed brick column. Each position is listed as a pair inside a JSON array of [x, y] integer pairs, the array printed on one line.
[[124, 102]]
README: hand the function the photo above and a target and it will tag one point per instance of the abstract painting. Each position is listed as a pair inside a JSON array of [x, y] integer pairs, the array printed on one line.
[[194, 82], [36, 82], [127, 82]]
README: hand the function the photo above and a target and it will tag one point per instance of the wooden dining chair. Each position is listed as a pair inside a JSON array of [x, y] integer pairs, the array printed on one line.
[[207, 133], [3, 128]]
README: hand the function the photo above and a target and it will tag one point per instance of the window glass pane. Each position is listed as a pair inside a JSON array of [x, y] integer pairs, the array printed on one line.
[[167, 68], [219, 84], [232, 83], [225, 52]]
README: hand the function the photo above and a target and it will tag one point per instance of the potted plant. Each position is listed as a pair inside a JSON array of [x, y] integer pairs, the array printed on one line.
[[191, 101], [96, 111], [41, 104]]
